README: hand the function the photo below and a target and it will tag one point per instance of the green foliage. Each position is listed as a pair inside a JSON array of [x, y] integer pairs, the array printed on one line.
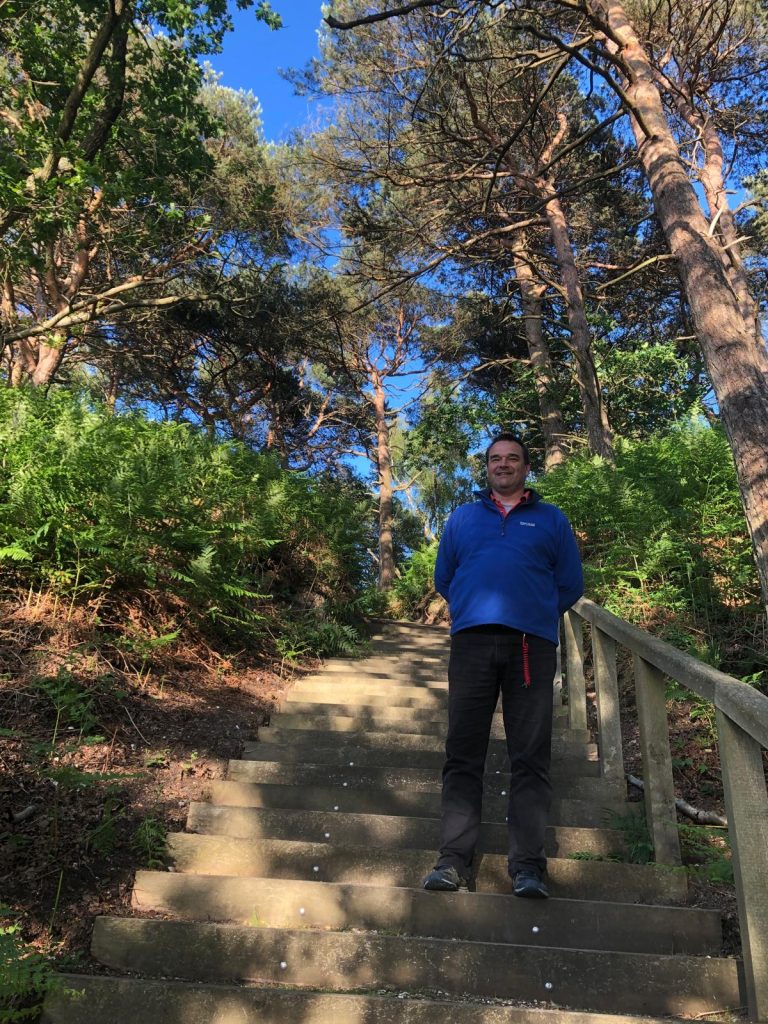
[[663, 536], [646, 385], [67, 776], [706, 852], [700, 709], [104, 838], [26, 976], [370, 602], [416, 581], [637, 838], [157, 758], [149, 843], [758, 224], [125, 169], [114, 505], [436, 452], [335, 638], [310, 636], [612, 858], [72, 703]]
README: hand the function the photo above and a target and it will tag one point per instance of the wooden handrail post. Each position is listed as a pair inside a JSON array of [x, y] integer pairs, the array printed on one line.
[[609, 722], [660, 810], [577, 694], [558, 681], [746, 804]]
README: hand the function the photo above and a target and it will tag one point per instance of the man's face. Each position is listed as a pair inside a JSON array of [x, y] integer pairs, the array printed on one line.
[[506, 468]]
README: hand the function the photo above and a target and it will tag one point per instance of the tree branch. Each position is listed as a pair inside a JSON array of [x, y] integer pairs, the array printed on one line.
[[116, 13], [694, 813], [370, 19]]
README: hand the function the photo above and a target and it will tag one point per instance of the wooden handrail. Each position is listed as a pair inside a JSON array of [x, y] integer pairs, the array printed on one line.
[[741, 702], [742, 733]]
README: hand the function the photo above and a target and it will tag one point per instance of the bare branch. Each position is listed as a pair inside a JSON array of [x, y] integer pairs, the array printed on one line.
[[370, 19], [661, 258]]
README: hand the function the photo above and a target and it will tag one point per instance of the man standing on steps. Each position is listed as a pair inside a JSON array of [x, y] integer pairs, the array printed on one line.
[[508, 565]]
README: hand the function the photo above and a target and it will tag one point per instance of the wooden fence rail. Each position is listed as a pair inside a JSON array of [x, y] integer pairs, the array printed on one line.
[[742, 735]]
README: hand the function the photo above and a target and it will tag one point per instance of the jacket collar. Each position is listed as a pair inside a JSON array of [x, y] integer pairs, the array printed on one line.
[[484, 496]]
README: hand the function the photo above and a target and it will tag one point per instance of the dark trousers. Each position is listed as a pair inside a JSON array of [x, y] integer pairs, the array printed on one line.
[[482, 663]]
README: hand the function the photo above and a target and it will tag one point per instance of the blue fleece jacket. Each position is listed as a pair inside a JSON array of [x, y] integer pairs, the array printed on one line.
[[521, 571]]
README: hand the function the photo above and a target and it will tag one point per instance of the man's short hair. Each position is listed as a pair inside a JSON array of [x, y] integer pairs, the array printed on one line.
[[506, 436]]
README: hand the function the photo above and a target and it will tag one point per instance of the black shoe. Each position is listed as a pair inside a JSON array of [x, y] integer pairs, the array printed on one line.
[[529, 885], [446, 880]]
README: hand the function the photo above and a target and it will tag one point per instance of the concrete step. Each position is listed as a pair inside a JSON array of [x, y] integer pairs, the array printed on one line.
[[403, 709], [389, 679], [417, 780], [403, 631], [376, 653], [323, 701], [388, 719], [393, 685], [393, 648], [415, 681], [325, 862], [477, 917], [385, 832], [417, 659], [390, 755], [116, 1000], [306, 740], [315, 892], [434, 661], [581, 813], [647, 983], [388, 652]]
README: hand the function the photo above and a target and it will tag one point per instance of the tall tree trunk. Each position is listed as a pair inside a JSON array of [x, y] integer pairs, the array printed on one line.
[[531, 295], [16, 368], [717, 199], [723, 222], [49, 359], [386, 506], [113, 389], [24, 362], [736, 359], [599, 433]]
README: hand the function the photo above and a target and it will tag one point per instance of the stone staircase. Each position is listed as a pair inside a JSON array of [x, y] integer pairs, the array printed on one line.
[[294, 895]]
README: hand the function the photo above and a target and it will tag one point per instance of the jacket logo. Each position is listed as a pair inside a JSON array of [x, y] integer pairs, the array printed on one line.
[[526, 524]]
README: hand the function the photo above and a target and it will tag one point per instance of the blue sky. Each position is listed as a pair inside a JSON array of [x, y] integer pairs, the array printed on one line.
[[253, 54]]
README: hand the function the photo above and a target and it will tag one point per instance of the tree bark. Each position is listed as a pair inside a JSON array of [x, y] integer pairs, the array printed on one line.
[[49, 359], [386, 504], [531, 294], [113, 389], [723, 222], [599, 433], [736, 359], [717, 199]]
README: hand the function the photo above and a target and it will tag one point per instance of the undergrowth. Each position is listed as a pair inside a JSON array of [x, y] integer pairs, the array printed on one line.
[[665, 543], [156, 529], [26, 976], [705, 849]]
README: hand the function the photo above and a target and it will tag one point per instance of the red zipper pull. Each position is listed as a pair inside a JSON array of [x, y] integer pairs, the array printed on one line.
[[526, 663]]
